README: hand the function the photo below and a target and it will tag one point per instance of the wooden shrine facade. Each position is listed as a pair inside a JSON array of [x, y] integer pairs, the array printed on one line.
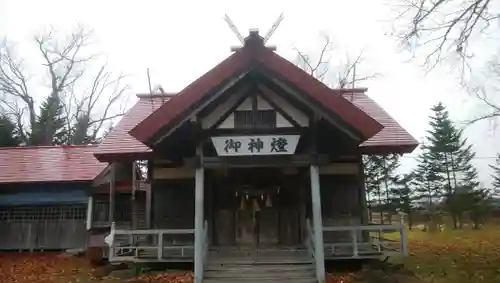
[[254, 154]]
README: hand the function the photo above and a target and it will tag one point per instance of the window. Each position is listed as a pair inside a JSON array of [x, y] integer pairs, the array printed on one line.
[[263, 119]]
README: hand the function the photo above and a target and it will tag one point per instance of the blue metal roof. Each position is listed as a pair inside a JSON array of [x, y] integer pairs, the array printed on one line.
[[48, 194]]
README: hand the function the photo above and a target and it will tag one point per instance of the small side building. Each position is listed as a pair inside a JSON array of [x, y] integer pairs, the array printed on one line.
[[44, 193]]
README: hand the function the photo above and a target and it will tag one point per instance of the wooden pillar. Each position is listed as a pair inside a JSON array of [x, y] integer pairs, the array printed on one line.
[[199, 219], [149, 194], [317, 224], [112, 191], [90, 206], [362, 192], [135, 222]]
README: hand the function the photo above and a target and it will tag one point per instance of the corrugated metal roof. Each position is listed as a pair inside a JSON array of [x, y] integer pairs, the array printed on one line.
[[253, 56], [392, 135], [119, 140], [49, 164]]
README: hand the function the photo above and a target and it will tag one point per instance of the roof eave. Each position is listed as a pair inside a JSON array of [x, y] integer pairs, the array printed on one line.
[[382, 149], [122, 156]]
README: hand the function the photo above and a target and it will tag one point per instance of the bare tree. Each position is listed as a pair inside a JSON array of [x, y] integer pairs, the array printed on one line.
[[67, 66], [323, 65], [446, 29], [486, 92], [443, 26]]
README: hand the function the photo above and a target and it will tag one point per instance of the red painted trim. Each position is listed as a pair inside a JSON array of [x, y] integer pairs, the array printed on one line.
[[190, 95], [242, 60], [322, 93]]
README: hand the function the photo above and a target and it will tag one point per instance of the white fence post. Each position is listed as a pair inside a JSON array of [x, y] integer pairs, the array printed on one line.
[[402, 231], [355, 250], [90, 206]]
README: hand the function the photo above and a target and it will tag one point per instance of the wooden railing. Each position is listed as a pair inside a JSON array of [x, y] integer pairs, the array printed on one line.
[[149, 245], [367, 241], [141, 185], [309, 238]]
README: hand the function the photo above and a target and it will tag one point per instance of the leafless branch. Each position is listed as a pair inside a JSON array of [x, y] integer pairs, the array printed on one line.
[[87, 114], [443, 26], [319, 69], [14, 87], [486, 92], [349, 76], [68, 68]]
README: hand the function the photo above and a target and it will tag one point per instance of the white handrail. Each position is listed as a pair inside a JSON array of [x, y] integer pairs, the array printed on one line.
[[123, 253], [205, 240], [378, 241], [310, 238]]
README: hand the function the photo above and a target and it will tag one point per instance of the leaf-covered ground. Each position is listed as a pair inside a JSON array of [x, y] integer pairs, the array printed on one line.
[[463, 256], [459, 256], [42, 268], [450, 256]]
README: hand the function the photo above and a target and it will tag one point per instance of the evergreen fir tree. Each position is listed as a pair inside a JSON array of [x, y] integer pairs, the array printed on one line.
[[496, 175], [445, 172], [8, 136], [403, 194], [429, 181], [379, 172], [49, 128]]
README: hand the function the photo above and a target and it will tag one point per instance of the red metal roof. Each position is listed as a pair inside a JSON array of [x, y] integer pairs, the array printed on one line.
[[254, 55], [49, 164], [119, 141], [393, 138]]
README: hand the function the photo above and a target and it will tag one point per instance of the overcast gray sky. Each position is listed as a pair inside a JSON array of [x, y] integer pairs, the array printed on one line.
[[181, 40]]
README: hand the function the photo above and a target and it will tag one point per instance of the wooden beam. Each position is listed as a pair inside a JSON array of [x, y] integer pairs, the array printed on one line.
[[277, 108], [255, 108], [112, 191], [149, 193], [278, 86], [303, 160], [133, 197], [293, 100], [247, 132], [362, 191], [246, 91], [193, 112]]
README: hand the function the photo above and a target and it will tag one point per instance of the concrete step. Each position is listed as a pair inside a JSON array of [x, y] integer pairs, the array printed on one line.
[[263, 261], [259, 280], [260, 267], [258, 253], [266, 265], [235, 274]]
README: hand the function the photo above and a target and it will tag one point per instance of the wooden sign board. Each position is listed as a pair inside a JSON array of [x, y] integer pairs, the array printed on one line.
[[255, 145]]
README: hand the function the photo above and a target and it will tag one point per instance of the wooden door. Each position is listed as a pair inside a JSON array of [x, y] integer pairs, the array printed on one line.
[[268, 226], [245, 224]]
